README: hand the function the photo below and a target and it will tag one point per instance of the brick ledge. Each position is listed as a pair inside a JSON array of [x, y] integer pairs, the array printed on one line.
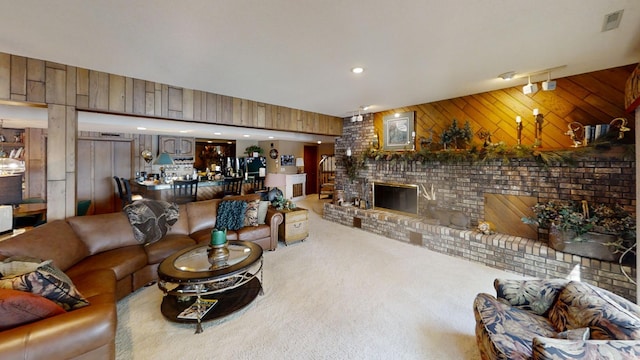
[[527, 257]]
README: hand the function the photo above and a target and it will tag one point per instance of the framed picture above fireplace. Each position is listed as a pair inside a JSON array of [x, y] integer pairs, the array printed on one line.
[[399, 133]]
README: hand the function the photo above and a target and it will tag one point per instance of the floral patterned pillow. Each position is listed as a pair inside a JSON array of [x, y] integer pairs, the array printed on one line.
[[580, 305], [536, 295]]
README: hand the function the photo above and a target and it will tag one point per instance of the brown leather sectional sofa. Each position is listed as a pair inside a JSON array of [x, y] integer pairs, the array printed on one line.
[[101, 256]]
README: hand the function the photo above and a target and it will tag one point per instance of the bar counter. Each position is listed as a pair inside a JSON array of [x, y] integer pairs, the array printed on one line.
[[206, 189]]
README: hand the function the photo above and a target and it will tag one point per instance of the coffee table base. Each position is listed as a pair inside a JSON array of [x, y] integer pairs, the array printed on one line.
[[229, 302]]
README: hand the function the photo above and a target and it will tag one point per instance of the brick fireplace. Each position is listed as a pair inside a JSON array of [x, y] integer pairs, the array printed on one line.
[[462, 187]]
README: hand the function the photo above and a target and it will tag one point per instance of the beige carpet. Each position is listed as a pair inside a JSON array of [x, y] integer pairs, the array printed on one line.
[[341, 294]]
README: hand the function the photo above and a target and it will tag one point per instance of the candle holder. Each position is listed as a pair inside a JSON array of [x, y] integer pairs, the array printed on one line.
[[218, 256], [519, 129]]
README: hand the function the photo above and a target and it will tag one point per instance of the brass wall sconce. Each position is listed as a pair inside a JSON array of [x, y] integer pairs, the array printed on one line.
[[539, 121]]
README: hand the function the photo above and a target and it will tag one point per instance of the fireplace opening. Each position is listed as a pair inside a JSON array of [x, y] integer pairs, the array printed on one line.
[[396, 197]]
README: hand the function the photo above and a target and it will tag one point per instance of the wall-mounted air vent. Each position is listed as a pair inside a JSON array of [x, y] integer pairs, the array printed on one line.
[[612, 21], [110, 134]]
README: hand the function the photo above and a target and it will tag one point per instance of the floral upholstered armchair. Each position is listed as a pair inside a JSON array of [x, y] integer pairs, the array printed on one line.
[[555, 319]]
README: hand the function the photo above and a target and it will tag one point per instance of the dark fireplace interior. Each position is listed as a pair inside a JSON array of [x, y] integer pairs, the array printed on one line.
[[396, 197]]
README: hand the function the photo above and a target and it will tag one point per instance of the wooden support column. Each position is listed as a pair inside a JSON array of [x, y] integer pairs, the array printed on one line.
[[62, 141]]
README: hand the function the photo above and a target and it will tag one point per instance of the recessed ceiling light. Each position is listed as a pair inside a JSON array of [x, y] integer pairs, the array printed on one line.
[[508, 75], [217, 133], [270, 137], [141, 128], [396, 115], [246, 135], [319, 142], [357, 70], [183, 131]]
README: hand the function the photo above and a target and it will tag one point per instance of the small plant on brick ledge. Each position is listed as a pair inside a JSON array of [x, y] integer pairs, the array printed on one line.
[[575, 221]]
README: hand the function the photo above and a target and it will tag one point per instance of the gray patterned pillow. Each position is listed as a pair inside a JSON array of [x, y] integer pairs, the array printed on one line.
[[536, 295], [151, 219]]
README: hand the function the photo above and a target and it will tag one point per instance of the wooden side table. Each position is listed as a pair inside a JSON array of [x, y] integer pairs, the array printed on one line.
[[295, 226]]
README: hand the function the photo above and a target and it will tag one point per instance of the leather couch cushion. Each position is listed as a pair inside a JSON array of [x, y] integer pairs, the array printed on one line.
[[103, 232], [21, 307], [123, 261], [250, 233], [55, 240], [160, 250], [202, 214], [98, 286], [181, 226]]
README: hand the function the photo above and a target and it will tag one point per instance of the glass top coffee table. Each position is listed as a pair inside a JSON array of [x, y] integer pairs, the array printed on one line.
[[189, 281]]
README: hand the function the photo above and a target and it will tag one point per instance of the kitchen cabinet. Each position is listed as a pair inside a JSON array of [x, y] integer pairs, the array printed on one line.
[[176, 146]]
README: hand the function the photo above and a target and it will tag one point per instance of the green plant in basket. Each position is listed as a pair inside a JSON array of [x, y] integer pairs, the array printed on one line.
[[582, 217]]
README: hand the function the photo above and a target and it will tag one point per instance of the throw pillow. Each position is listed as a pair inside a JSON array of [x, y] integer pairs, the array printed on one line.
[[580, 305], [231, 214], [21, 307], [251, 213], [18, 265], [536, 295], [49, 282], [151, 219], [262, 211]]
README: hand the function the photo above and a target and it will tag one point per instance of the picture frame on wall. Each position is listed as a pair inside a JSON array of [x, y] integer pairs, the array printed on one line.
[[399, 132]]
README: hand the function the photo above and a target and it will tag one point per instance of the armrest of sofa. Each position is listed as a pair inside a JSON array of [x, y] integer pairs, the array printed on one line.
[[274, 219], [550, 349], [64, 336]]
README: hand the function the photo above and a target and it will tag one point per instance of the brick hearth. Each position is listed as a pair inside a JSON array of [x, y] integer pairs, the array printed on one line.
[[514, 254]]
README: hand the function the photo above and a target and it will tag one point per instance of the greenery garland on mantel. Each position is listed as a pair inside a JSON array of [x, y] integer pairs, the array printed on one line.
[[500, 151]]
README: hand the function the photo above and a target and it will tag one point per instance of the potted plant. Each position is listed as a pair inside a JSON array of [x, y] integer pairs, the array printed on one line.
[[456, 136], [592, 230], [253, 150]]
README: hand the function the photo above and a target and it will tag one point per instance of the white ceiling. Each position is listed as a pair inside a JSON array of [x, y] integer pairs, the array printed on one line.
[[299, 53]]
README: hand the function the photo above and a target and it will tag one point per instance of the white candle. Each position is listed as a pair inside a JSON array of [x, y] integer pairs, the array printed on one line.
[[518, 119], [348, 151], [535, 112]]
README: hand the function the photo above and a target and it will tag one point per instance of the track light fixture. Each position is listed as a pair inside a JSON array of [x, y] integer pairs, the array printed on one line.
[[530, 88], [549, 85]]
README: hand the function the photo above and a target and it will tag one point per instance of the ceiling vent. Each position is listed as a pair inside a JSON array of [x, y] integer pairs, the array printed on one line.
[[612, 21]]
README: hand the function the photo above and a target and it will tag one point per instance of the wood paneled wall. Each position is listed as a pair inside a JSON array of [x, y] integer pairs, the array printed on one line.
[[25, 79], [591, 98]]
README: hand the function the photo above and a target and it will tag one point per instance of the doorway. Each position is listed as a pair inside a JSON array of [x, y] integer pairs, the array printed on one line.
[[311, 168]]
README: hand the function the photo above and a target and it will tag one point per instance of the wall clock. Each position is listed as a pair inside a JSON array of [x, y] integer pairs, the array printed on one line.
[[273, 153]]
